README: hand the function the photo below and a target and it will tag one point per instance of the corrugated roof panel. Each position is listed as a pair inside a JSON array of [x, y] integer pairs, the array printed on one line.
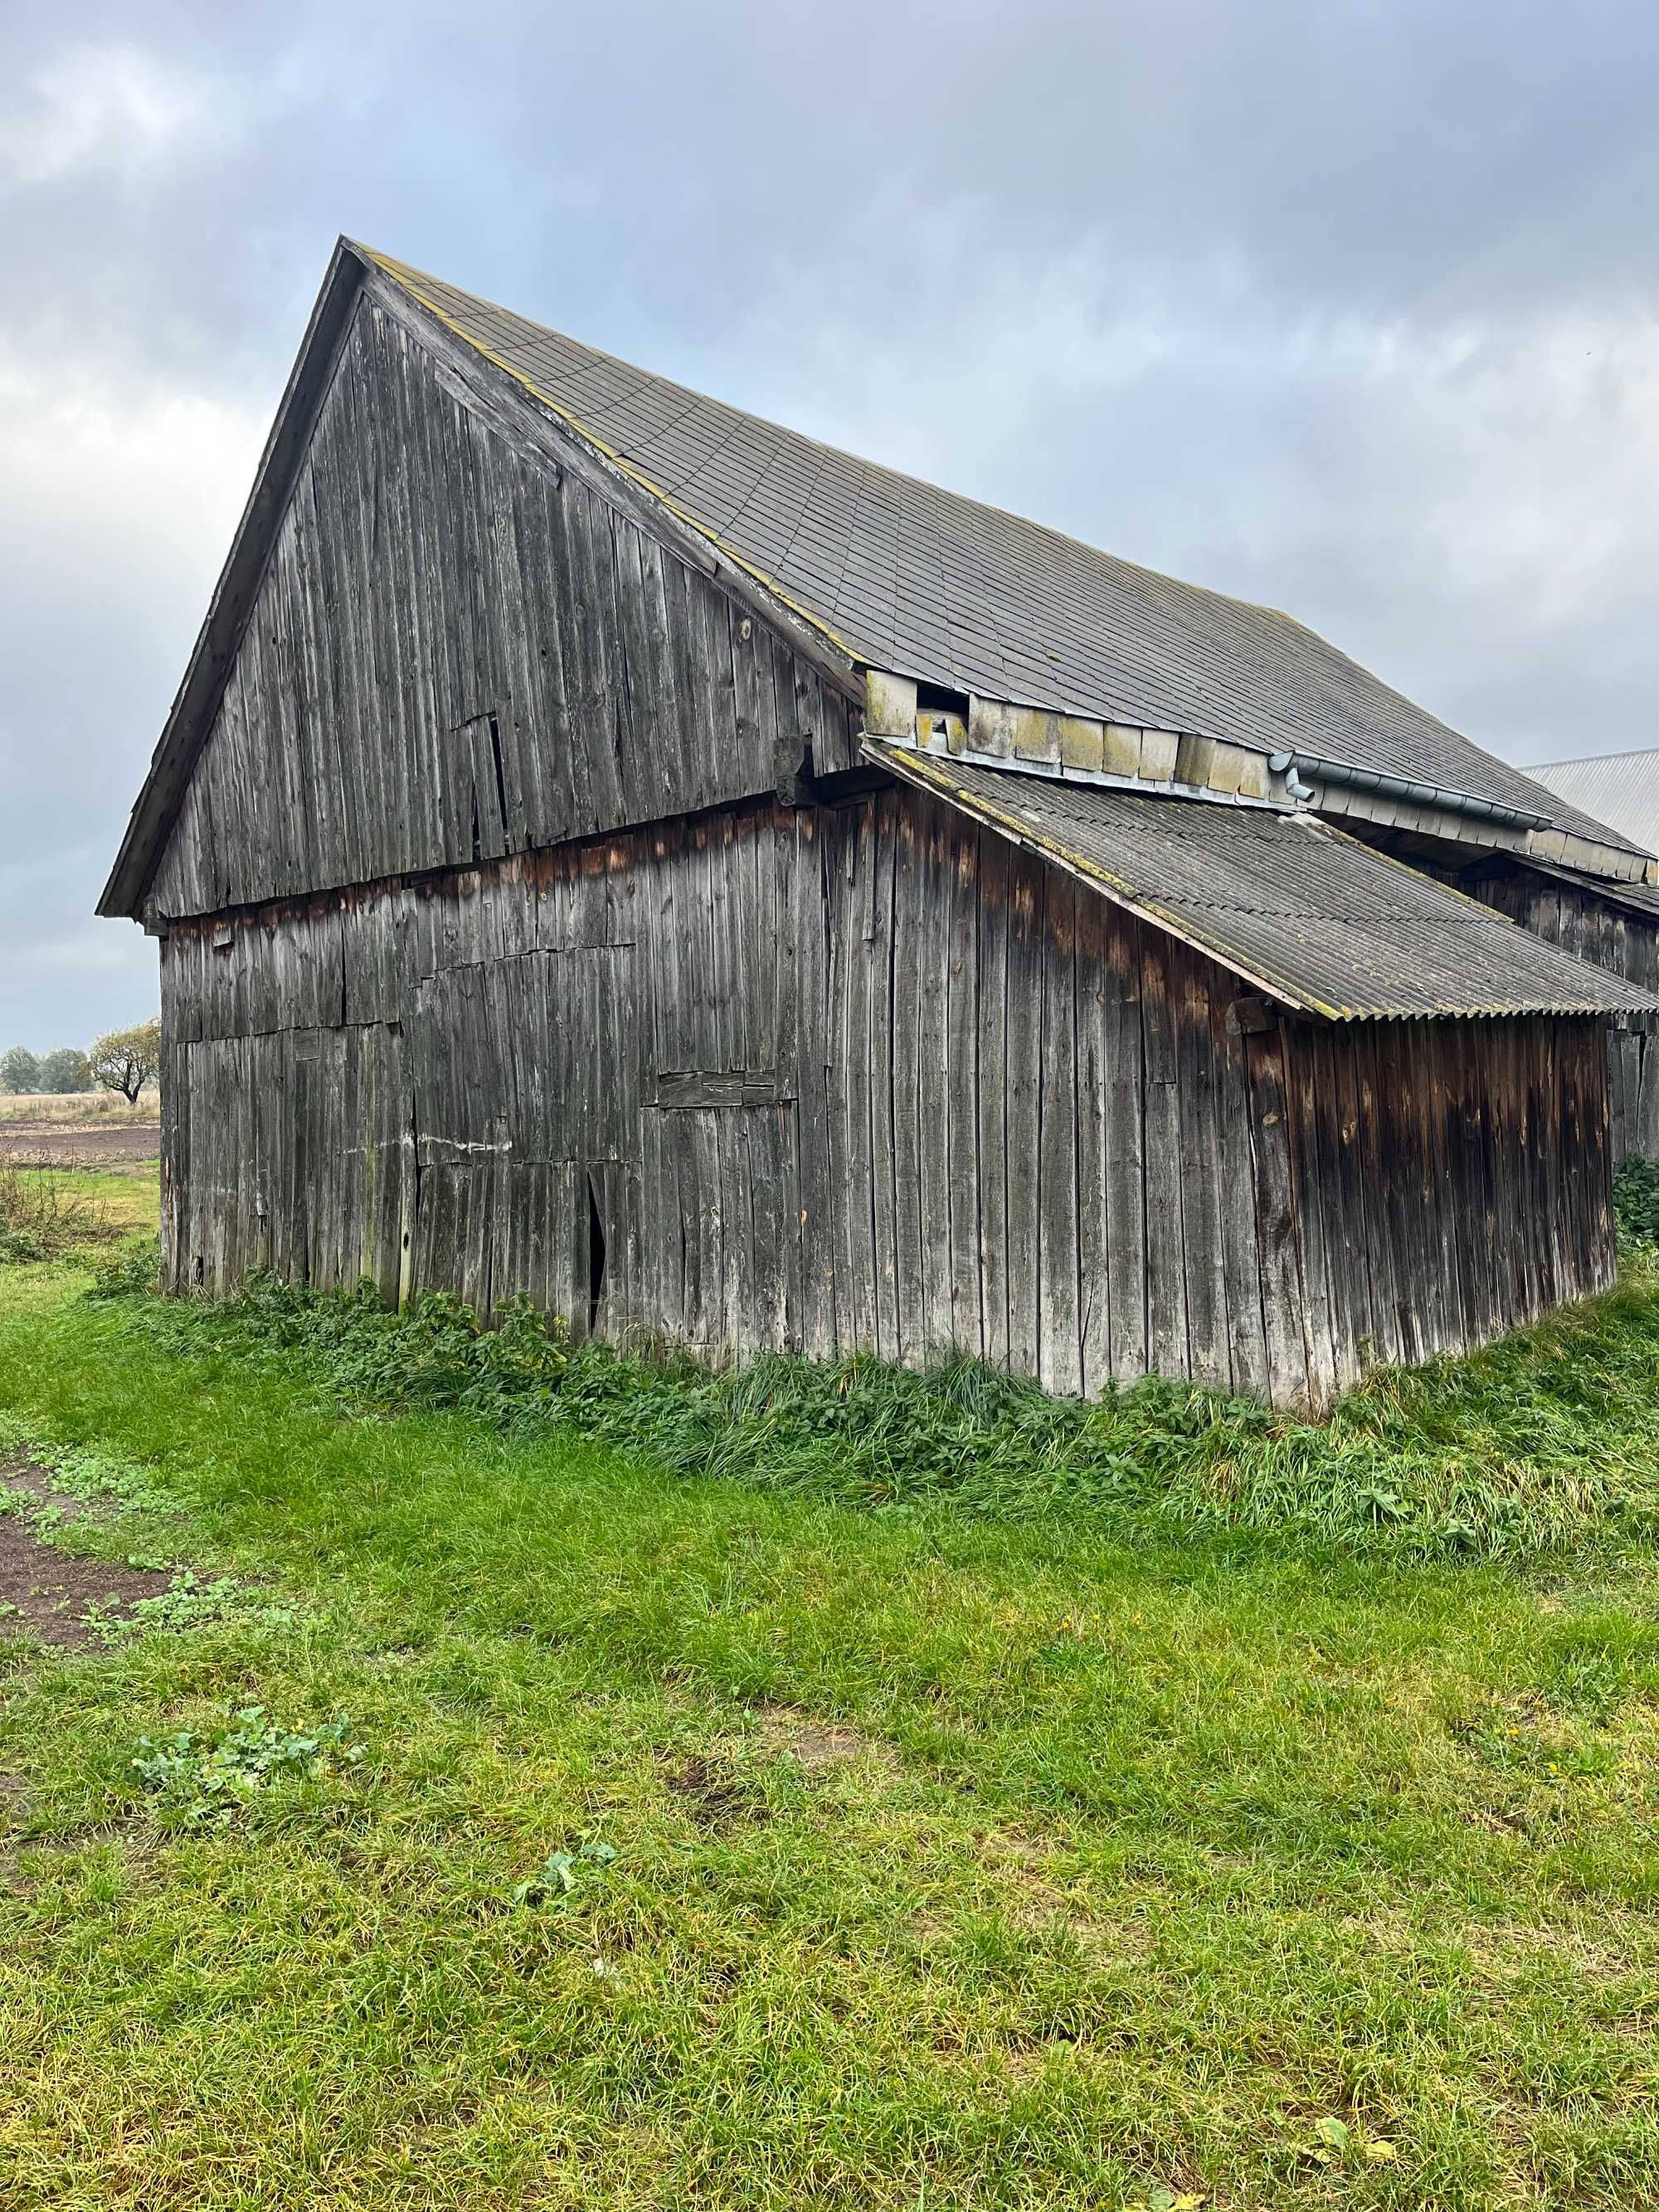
[[1621, 789], [1310, 915]]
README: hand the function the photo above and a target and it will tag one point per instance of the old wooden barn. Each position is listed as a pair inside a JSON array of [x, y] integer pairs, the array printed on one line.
[[612, 850], [1598, 906]]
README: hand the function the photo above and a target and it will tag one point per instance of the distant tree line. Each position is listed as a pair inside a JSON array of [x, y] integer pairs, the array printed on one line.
[[64, 1069], [122, 1059]]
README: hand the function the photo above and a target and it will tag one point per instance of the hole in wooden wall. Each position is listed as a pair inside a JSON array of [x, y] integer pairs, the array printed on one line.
[[501, 782], [595, 1258]]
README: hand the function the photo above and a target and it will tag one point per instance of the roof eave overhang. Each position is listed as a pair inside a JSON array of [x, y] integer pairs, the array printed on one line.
[[934, 776]]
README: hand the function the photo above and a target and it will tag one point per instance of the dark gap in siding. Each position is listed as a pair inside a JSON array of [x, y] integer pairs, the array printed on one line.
[[501, 781], [595, 1258]]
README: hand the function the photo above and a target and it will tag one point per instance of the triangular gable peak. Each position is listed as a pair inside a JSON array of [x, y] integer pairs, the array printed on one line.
[[450, 629]]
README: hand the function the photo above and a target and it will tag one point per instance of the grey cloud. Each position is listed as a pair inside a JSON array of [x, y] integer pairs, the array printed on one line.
[[1348, 307]]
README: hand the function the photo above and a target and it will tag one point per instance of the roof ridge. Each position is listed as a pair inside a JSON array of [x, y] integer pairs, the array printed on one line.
[[1594, 760]]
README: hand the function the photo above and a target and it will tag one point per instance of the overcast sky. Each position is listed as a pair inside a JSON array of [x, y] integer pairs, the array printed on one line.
[[1349, 309]]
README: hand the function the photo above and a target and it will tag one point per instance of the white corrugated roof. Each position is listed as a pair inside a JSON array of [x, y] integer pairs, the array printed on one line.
[[1621, 789]]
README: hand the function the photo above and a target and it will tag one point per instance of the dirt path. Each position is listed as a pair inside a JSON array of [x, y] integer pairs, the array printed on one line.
[[91, 1145], [46, 1593]]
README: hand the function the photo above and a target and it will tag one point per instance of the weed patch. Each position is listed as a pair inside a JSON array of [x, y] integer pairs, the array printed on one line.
[[562, 1874], [187, 1602], [134, 1271], [1636, 1202], [83, 1473], [44, 1214], [204, 1779]]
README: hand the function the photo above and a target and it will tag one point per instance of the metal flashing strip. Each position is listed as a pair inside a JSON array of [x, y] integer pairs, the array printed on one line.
[[1099, 778]]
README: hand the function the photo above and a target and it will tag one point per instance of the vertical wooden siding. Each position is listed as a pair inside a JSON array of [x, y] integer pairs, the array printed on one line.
[[862, 1077], [1611, 937], [1451, 1181], [460, 652]]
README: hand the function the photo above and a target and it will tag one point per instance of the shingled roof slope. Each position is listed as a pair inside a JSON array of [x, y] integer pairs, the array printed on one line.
[[925, 582], [1328, 925]]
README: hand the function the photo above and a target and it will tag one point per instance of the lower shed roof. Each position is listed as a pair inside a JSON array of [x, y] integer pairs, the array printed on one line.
[[1300, 910]]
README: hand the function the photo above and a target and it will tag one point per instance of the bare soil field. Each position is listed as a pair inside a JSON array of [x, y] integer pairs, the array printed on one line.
[[87, 1144], [47, 1592]]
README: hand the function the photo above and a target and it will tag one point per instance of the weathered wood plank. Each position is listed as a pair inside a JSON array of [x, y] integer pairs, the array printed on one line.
[[1059, 1340], [1167, 1341], [911, 921], [930, 969], [1276, 1230], [1123, 1045], [1241, 1257], [996, 874], [884, 991], [1094, 1280], [959, 1134], [1204, 1258], [1021, 1112]]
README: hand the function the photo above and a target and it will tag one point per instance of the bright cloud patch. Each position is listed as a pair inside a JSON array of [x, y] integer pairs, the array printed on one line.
[[114, 108], [116, 516]]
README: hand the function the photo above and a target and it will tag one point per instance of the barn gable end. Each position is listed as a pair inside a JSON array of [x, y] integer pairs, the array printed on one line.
[[460, 648]]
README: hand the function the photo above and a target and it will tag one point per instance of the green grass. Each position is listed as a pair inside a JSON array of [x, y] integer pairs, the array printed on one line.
[[1543, 1443], [1169, 1850]]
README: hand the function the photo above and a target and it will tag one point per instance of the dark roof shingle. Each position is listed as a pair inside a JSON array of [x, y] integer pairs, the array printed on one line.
[[924, 581]]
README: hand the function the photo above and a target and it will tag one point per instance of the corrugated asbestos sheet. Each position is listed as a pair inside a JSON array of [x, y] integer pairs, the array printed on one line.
[[1621, 789], [1311, 916], [925, 582]]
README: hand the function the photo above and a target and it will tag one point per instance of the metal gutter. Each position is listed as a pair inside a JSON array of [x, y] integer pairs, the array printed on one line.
[[1399, 786]]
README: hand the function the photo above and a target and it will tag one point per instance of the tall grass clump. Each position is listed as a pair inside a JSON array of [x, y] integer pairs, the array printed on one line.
[[1541, 1440], [1636, 1203], [42, 1215]]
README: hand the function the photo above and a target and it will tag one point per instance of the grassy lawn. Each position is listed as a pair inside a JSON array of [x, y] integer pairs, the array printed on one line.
[[691, 1843]]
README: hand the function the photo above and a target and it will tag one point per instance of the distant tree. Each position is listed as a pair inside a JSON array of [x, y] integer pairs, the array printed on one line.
[[64, 1069], [126, 1059], [19, 1071]]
